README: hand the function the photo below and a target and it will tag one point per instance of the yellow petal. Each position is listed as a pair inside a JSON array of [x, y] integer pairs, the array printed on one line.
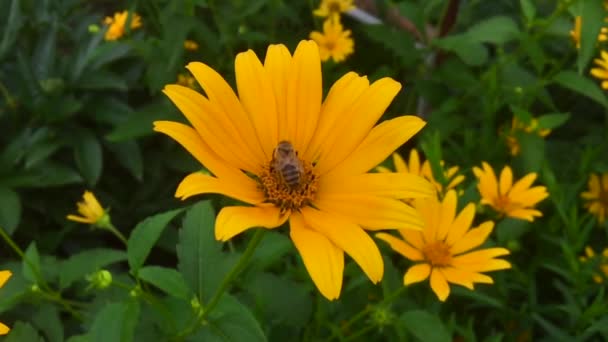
[[350, 238], [214, 127], [257, 97], [362, 115], [322, 259], [522, 184], [473, 238], [488, 185], [80, 219], [92, 204], [448, 212], [198, 183], [4, 276], [371, 212], [413, 237], [277, 63], [393, 185], [530, 197], [234, 220], [4, 329], [439, 285], [401, 247], [221, 95], [416, 274], [379, 144], [429, 209], [506, 180], [304, 94], [334, 113], [400, 165], [525, 214], [479, 256], [457, 276]]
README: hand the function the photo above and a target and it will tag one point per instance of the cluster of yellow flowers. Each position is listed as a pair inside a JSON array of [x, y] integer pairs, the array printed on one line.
[[334, 42], [519, 126], [116, 24], [601, 70]]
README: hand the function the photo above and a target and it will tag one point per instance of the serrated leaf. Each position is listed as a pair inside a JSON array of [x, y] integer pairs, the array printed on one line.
[[88, 156], [582, 85], [113, 323], [47, 319], [166, 279], [271, 249], [10, 210], [140, 123], [425, 326], [497, 30], [23, 332], [102, 79], [145, 235], [472, 53], [230, 321], [31, 263], [79, 265], [592, 17]]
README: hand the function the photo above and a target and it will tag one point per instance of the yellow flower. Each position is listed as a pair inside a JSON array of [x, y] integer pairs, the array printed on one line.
[[602, 265], [601, 73], [333, 8], [117, 24], [442, 250], [89, 209], [317, 177], [334, 42], [516, 125], [597, 196], [575, 33], [190, 45], [186, 80], [513, 200], [424, 170], [4, 276]]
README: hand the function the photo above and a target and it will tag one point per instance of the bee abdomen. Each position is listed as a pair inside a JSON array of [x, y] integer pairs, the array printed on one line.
[[291, 175]]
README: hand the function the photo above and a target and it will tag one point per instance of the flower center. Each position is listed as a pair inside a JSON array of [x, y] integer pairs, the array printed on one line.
[[503, 203], [437, 254], [333, 7], [288, 182]]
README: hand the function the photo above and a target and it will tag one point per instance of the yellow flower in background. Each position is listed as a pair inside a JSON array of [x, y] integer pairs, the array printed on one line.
[[334, 42], [597, 196], [424, 170], [89, 209], [510, 199], [4, 276], [291, 157], [186, 81], [444, 249], [601, 72], [516, 125], [190, 45], [575, 33], [602, 260], [333, 8], [116, 25]]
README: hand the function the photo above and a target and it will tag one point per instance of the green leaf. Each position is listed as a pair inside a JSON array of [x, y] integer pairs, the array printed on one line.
[[140, 123], [497, 30], [528, 9], [472, 53], [200, 256], [86, 262], [47, 319], [130, 321], [582, 85], [102, 79], [129, 156], [145, 235], [230, 321], [552, 330], [47, 174], [31, 263], [10, 210], [532, 151], [166, 279], [23, 332], [552, 121], [272, 249], [11, 28], [88, 156], [510, 229], [114, 322], [592, 17], [425, 326]]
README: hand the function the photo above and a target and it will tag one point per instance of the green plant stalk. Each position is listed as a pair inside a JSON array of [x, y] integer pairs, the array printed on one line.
[[243, 261], [110, 227]]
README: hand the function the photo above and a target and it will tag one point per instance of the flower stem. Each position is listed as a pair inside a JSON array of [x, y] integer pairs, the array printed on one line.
[[243, 261], [110, 227]]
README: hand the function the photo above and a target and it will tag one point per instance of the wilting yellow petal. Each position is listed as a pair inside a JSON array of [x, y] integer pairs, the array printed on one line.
[[401, 247], [322, 259], [416, 273], [439, 285], [234, 220], [473, 238], [198, 183]]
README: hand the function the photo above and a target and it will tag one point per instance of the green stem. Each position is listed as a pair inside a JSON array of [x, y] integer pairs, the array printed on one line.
[[243, 261], [110, 227]]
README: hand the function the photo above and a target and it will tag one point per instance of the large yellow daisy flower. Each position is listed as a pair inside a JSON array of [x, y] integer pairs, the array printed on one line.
[[334, 42], [510, 199], [597, 196], [442, 250], [289, 156], [4, 276]]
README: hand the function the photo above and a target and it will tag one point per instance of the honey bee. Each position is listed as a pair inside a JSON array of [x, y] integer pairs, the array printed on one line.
[[286, 163]]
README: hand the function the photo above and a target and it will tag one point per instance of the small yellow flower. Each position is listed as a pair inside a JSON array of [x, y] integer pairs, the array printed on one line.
[[510, 199], [334, 42], [186, 81], [597, 196], [601, 72], [575, 33], [4, 276], [190, 45], [116, 25], [516, 125], [332, 8], [89, 209], [415, 167], [442, 250], [602, 264]]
